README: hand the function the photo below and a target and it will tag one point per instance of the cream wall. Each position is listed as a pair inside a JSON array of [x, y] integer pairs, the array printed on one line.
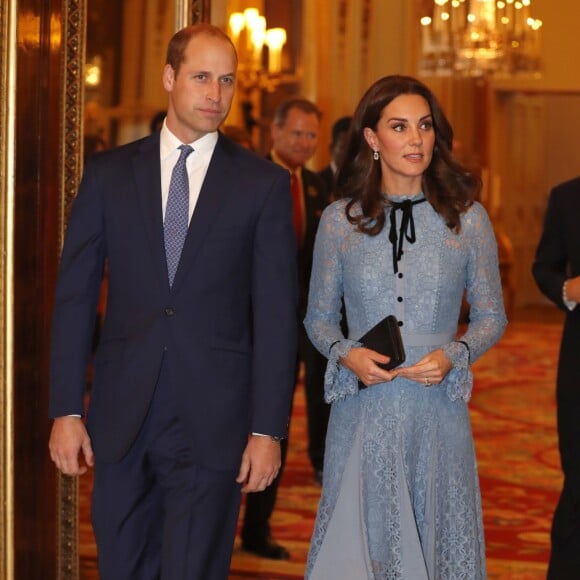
[[534, 127], [560, 43], [357, 42]]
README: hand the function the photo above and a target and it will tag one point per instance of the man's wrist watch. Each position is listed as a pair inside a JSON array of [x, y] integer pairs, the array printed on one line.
[[272, 437]]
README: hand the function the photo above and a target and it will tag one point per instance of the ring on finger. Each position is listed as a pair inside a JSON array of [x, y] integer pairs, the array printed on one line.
[[427, 381]]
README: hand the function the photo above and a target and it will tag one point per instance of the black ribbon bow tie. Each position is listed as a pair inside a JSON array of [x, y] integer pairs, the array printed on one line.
[[407, 229]]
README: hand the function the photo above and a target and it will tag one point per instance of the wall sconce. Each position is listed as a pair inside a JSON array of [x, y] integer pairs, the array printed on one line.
[[250, 34], [93, 69], [275, 40]]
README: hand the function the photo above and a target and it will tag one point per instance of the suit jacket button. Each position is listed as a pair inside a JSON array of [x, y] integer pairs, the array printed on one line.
[[169, 311]]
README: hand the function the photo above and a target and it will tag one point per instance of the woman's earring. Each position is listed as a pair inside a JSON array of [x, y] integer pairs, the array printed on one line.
[[376, 155]]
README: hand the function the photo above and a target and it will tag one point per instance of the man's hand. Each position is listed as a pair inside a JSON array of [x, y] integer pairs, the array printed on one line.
[[261, 462], [68, 439]]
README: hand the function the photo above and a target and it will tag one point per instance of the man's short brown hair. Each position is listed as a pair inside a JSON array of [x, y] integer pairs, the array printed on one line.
[[180, 40], [306, 106]]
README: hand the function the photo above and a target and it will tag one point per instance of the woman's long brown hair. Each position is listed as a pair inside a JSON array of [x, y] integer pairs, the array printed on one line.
[[447, 185]]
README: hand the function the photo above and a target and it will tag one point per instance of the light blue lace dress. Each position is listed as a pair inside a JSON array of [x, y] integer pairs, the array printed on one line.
[[401, 495]]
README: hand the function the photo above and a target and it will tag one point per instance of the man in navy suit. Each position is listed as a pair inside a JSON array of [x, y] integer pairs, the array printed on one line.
[[193, 374], [557, 273]]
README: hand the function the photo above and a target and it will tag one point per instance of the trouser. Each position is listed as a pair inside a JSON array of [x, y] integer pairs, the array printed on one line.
[[156, 514]]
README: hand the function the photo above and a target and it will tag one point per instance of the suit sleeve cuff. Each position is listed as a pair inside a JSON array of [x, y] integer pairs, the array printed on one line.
[[569, 304]]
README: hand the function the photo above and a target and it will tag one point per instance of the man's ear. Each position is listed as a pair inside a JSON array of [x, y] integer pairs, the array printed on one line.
[[168, 77]]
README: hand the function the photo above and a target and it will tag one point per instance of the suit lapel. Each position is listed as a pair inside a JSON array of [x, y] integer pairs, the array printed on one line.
[[147, 171], [216, 187]]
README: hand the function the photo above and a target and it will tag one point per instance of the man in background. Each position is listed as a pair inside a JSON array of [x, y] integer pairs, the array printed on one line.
[[557, 273], [294, 133], [337, 143]]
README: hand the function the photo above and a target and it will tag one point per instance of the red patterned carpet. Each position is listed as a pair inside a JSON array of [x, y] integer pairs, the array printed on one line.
[[513, 415]]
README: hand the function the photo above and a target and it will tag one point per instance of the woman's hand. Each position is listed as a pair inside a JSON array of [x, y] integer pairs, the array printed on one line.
[[363, 363], [430, 370]]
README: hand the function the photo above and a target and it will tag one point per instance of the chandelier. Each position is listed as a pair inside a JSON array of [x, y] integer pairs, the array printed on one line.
[[478, 37]]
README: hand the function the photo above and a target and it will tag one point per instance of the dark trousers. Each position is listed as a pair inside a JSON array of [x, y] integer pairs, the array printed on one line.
[[565, 536], [565, 555], [156, 514], [259, 508], [317, 410], [260, 505]]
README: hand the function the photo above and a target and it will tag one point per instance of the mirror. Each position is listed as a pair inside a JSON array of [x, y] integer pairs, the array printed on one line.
[[124, 56], [109, 112]]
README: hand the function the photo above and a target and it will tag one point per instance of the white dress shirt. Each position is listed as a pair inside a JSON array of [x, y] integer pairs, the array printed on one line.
[[570, 304], [197, 163]]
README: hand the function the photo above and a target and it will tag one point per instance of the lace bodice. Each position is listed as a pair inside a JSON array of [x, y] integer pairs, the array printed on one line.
[[425, 294]]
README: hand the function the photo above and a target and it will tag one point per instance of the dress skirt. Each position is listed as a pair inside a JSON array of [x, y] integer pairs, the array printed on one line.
[[401, 499]]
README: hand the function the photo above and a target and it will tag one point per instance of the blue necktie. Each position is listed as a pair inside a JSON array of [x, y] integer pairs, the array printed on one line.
[[177, 213]]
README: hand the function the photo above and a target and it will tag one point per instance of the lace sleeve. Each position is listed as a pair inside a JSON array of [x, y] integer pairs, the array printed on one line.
[[487, 319], [323, 315]]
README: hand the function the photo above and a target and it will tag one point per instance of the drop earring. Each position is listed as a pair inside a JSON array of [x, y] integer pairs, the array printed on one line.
[[375, 155]]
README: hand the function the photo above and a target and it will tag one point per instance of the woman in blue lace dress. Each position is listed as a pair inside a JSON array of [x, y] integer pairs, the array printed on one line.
[[401, 495]]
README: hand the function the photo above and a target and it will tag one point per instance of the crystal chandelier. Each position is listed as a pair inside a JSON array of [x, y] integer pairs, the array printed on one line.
[[477, 37]]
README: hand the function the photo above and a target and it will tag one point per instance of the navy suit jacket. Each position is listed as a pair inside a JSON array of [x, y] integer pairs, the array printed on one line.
[[227, 327], [558, 258], [315, 200]]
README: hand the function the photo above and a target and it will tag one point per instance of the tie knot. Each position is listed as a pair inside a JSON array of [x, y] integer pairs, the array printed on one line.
[[185, 151]]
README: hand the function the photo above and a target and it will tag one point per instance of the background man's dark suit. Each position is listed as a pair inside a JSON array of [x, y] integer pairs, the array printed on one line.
[[338, 139], [316, 199], [557, 260]]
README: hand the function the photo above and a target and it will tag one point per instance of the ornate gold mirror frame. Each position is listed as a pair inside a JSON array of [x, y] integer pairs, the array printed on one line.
[[72, 106], [7, 102]]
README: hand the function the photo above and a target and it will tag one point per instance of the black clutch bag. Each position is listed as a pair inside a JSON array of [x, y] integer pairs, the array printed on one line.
[[385, 338]]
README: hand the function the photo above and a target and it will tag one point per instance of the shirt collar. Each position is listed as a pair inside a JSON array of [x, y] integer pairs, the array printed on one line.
[[169, 142], [278, 160]]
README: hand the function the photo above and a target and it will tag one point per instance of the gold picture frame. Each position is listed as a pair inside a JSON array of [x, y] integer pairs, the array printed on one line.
[[7, 153]]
